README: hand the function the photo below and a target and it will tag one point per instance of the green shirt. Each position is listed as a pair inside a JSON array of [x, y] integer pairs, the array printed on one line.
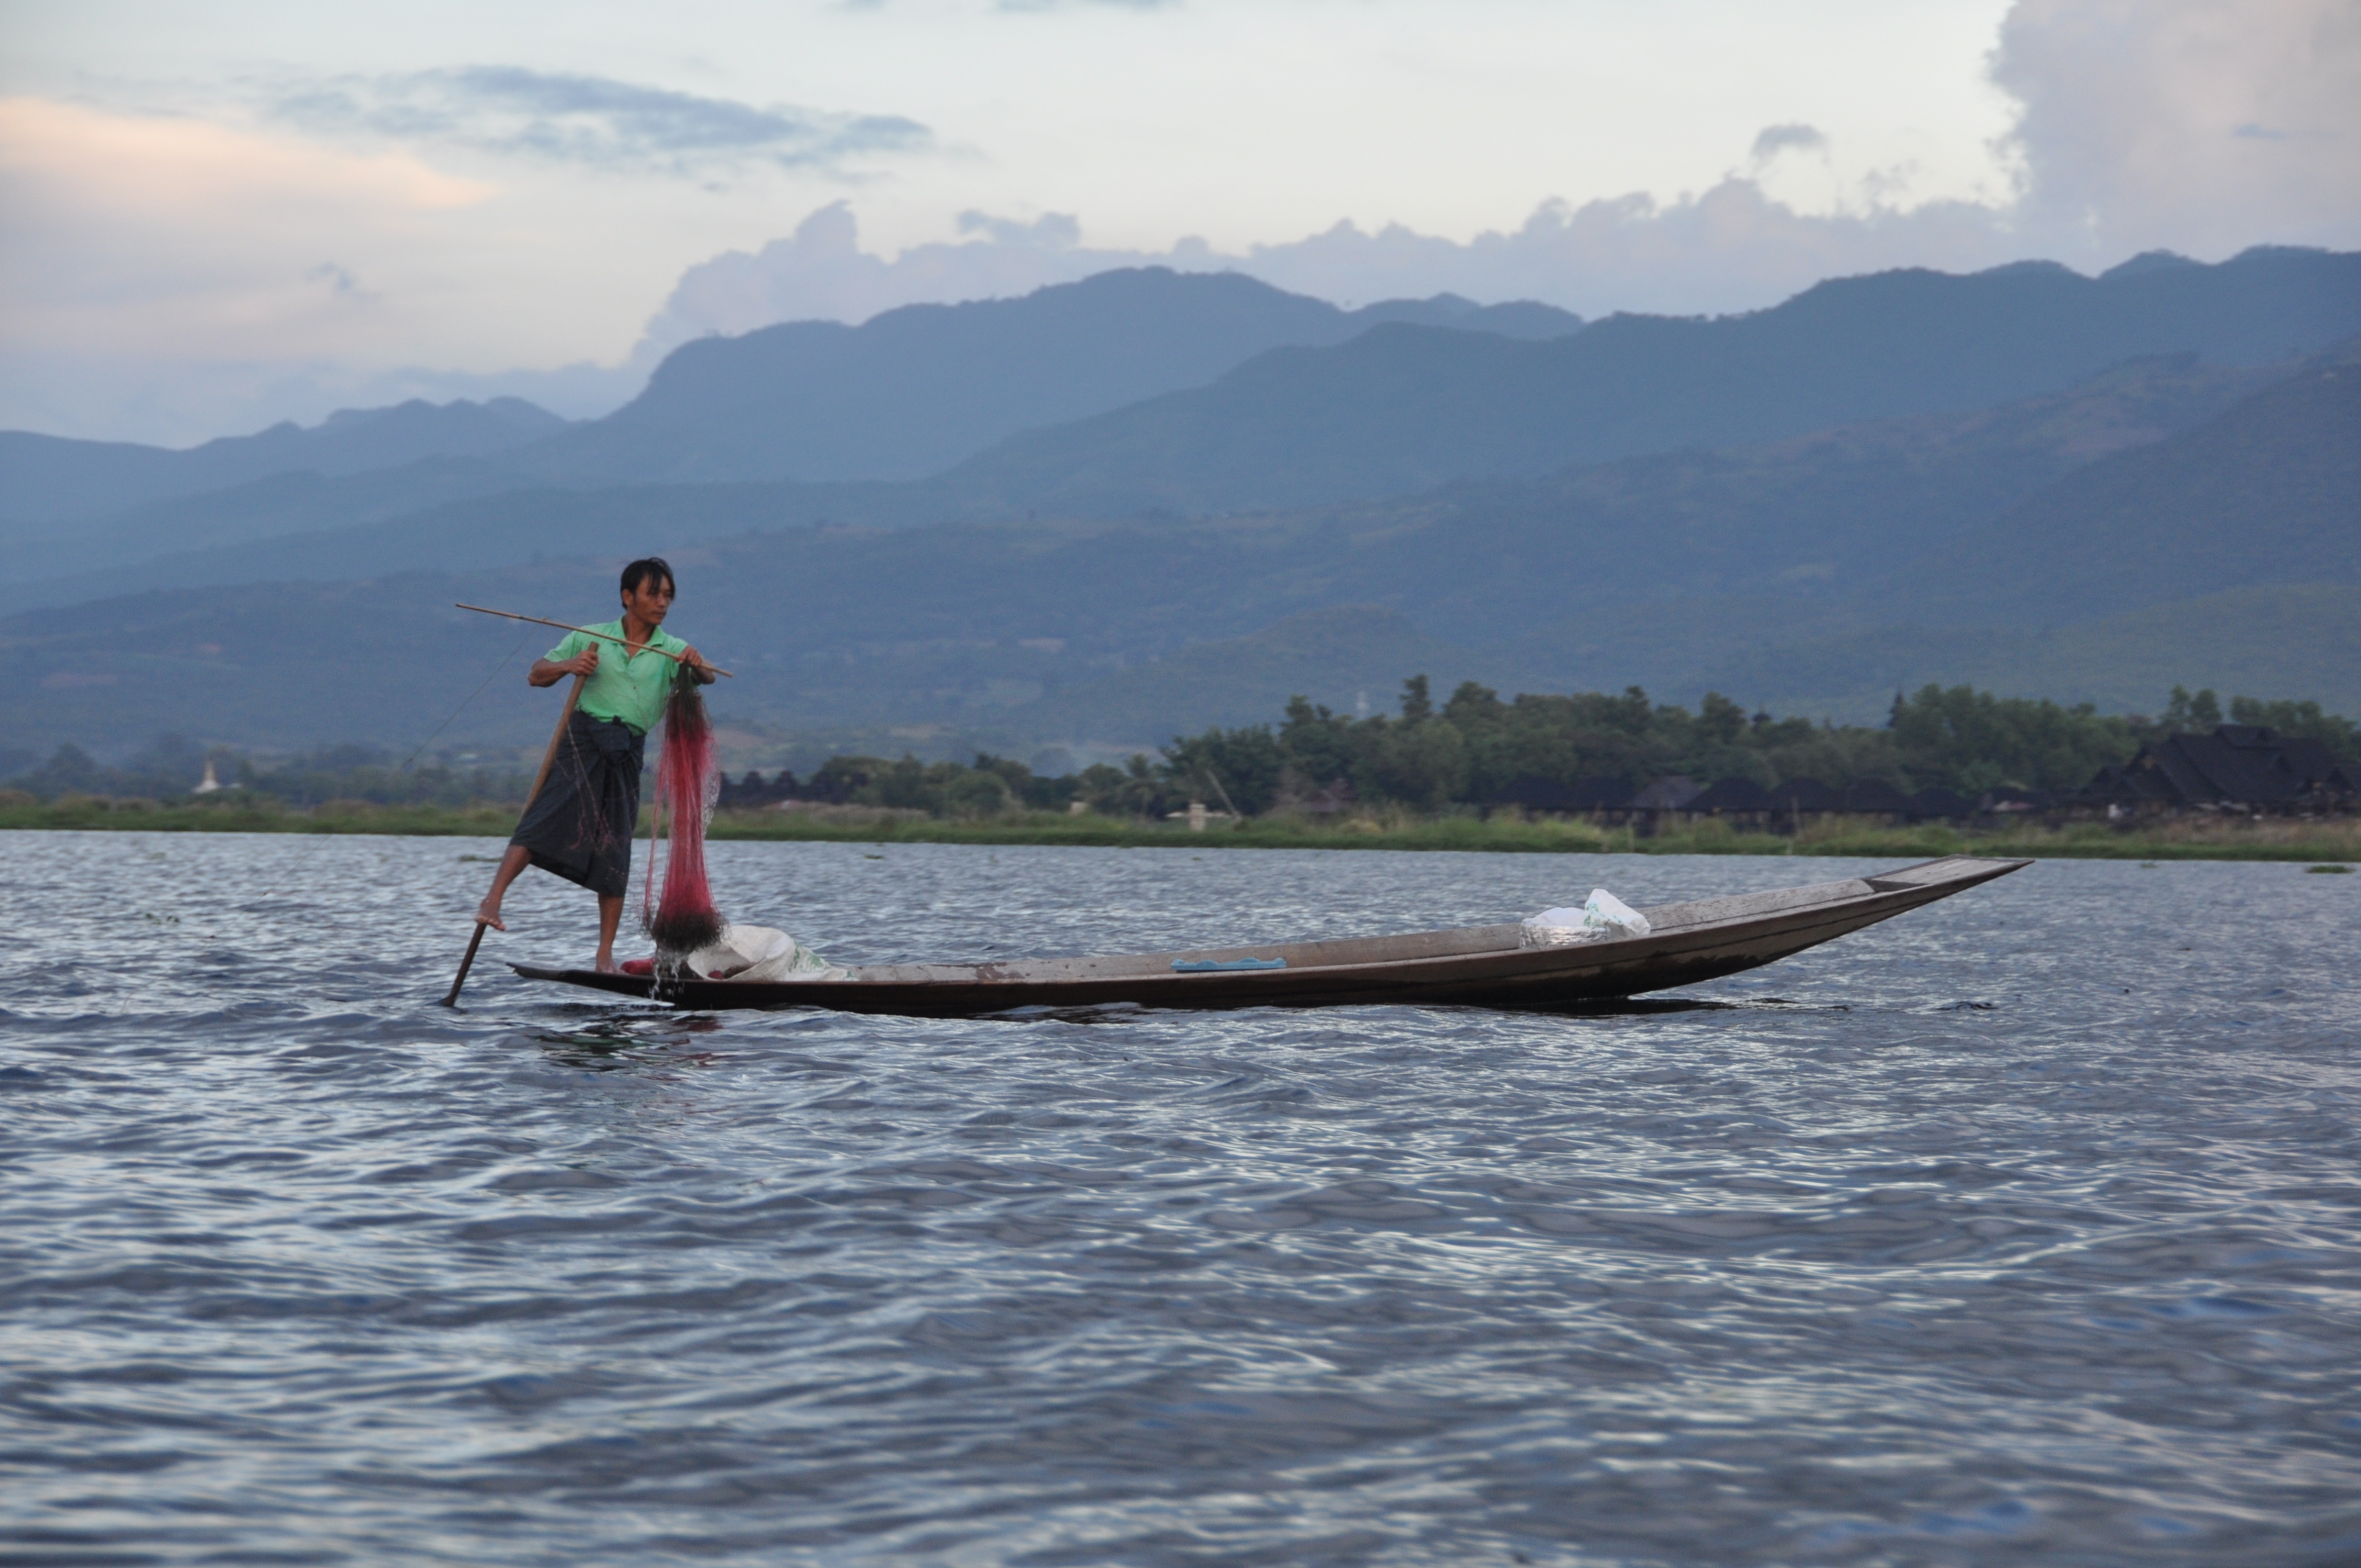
[[632, 688]]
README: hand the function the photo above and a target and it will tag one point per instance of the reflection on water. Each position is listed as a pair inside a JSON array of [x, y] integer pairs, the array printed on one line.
[[2023, 1228]]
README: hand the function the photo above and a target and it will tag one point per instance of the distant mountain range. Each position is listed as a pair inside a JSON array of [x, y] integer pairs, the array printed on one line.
[[2267, 492], [2171, 520], [48, 479], [914, 390], [1400, 409], [1396, 409], [899, 396]]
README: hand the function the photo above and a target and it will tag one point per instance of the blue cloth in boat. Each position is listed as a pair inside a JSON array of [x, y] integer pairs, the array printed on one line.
[[579, 826]]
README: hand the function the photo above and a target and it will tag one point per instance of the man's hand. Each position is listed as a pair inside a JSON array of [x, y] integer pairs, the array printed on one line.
[[549, 672], [705, 673]]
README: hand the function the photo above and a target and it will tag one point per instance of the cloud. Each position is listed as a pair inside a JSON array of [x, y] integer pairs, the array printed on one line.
[[173, 236], [166, 279], [591, 120], [147, 163], [820, 272], [1732, 247], [2203, 126], [2197, 126], [1772, 140], [1050, 231], [214, 277]]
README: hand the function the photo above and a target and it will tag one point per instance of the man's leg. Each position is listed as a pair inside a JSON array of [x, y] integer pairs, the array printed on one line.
[[515, 861], [610, 915]]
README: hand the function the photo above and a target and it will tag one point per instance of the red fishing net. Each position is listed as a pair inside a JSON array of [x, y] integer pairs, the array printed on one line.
[[684, 919]]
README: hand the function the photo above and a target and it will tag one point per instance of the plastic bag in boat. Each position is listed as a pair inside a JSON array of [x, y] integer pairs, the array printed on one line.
[[759, 953], [1603, 918]]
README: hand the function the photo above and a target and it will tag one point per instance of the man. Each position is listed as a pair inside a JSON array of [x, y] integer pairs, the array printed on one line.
[[580, 824]]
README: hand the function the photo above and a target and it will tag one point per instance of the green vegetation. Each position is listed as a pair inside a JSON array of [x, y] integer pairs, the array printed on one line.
[[172, 767], [1476, 749], [1428, 777], [1396, 828], [238, 813], [1465, 753], [1512, 833]]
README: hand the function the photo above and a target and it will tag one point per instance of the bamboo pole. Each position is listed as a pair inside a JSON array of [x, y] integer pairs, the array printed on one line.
[[587, 631], [539, 779]]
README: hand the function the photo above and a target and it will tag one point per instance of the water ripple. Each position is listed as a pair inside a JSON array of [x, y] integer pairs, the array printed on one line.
[[2023, 1228]]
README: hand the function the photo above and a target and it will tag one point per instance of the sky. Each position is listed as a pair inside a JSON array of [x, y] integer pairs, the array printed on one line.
[[215, 217]]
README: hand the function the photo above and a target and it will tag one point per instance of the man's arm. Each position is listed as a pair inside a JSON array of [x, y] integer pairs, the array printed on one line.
[[549, 672], [697, 666]]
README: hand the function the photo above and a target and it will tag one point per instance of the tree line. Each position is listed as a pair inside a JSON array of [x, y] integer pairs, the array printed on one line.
[[1476, 750], [172, 766], [1473, 750]]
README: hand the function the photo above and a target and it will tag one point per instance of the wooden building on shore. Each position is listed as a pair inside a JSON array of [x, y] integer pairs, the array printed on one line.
[[2240, 768]]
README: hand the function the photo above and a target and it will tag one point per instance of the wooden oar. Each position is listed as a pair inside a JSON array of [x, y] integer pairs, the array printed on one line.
[[539, 779], [587, 631]]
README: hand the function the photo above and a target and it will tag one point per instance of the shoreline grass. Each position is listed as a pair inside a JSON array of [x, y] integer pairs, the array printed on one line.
[[2182, 840]]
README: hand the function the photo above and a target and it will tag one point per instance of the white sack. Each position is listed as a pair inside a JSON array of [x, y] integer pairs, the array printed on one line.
[[1603, 918], [759, 953]]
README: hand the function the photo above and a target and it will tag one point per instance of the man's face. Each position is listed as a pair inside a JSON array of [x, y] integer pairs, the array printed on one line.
[[651, 601]]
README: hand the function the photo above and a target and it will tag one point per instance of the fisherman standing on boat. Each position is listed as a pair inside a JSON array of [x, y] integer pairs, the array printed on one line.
[[580, 826]]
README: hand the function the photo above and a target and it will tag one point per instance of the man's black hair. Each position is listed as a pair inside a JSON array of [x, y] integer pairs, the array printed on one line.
[[639, 571]]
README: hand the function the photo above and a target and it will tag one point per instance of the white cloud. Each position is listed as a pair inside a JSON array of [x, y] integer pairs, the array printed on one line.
[[2203, 126], [2198, 126], [169, 278], [1731, 248], [180, 236], [175, 276]]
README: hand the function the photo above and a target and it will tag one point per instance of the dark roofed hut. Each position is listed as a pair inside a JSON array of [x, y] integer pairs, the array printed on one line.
[[1660, 798], [1582, 796], [1875, 797], [2014, 804], [2239, 767], [1741, 803], [1807, 795], [1671, 793], [1734, 795], [1939, 805], [753, 791]]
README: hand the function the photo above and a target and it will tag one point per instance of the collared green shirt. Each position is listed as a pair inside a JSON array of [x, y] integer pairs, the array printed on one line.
[[628, 686]]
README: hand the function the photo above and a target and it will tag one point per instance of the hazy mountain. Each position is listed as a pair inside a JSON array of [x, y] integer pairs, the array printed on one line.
[[243, 534], [48, 477], [1824, 506], [1827, 514], [1402, 409], [915, 389], [1754, 571], [2269, 492], [909, 391]]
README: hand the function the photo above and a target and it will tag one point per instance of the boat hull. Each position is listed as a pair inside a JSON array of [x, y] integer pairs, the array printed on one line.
[[1479, 966]]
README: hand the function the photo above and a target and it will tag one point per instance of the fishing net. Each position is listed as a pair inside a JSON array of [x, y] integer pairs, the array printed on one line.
[[684, 918]]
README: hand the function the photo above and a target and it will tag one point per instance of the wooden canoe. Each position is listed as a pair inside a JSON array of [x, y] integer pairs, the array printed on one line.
[[1481, 966]]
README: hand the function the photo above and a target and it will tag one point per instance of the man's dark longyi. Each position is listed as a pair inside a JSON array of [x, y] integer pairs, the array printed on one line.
[[580, 826]]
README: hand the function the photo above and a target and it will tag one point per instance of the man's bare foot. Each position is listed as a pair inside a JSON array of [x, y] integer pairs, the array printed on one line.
[[606, 964], [489, 914]]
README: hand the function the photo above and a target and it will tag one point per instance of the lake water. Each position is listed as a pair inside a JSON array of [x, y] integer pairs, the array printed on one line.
[[2024, 1228]]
